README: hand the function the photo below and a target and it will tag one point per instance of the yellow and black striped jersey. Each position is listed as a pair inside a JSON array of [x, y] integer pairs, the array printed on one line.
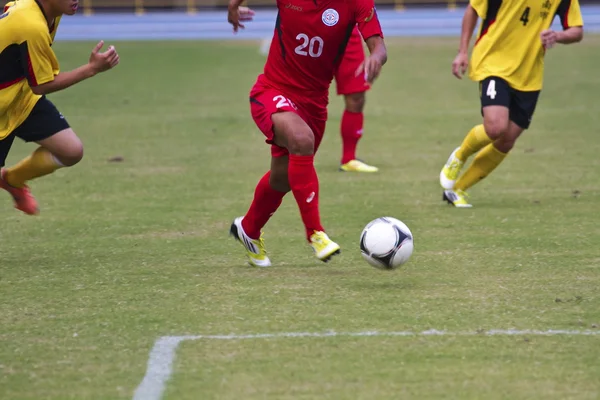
[[26, 59], [509, 45]]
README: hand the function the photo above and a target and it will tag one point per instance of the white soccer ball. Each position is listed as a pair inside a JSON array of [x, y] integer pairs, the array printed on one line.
[[386, 243]]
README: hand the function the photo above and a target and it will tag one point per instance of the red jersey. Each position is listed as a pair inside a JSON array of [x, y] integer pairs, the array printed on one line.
[[310, 39]]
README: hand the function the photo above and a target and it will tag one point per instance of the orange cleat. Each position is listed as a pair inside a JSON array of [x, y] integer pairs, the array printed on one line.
[[23, 198]]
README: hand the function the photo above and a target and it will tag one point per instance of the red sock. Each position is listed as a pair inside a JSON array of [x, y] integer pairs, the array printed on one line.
[[352, 129], [305, 187], [266, 201]]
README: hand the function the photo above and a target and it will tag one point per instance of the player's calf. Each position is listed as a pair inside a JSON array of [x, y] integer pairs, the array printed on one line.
[[278, 178]]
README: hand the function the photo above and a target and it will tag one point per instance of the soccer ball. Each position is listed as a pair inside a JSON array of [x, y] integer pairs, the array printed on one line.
[[386, 243]]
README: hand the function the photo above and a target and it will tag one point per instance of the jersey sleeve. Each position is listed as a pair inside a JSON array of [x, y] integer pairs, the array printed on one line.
[[8, 5], [480, 7], [569, 13], [37, 56], [367, 19]]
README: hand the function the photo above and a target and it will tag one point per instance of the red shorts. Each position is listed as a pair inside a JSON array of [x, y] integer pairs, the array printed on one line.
[[266, 100], [345, 77]]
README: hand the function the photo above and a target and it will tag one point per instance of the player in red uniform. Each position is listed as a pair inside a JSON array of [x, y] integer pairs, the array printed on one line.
[[353, 87], [289, 105]]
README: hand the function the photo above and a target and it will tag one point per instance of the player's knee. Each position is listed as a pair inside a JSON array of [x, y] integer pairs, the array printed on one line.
[[71, 154], [504, 144], [496, 128], [355, 102], [302, 143]]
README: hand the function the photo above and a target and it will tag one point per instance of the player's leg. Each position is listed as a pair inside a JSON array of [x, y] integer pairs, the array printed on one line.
[[274, 113], [59, 147], [301, 141], [521, 112], [268, 196], [354, 89], [22, 197], [272, 187], [488, 158], [496, 122], [351, 129], [495, 102]]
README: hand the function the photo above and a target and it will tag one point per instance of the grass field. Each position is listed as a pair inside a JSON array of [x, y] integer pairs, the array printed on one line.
[[126, 252]]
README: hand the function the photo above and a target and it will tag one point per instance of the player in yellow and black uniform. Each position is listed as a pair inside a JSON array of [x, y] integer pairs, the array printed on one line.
[[508, 62], [28, 71]]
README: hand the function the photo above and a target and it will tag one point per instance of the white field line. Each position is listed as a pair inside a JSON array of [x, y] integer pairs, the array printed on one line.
[[162, 355]]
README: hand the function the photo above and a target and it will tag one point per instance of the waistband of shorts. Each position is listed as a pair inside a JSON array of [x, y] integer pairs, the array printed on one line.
[[316, 96]]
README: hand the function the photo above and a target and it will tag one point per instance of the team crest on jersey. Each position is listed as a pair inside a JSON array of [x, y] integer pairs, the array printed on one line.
[[330, 17]]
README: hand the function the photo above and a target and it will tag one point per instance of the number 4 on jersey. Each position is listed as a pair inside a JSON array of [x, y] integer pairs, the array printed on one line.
[[525, 16], [491, 89]]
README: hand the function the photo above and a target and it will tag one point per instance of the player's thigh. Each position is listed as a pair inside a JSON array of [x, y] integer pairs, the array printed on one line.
[[293, 132], [522, 107], [495, 95], [264, 103], [46, 126], [5, 145]]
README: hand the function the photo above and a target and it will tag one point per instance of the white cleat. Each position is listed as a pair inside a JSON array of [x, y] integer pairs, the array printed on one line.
[[458, 198], [255, 248], [451, 170]]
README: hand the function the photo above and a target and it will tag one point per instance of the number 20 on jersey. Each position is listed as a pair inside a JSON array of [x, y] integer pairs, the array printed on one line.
[[312, 47]]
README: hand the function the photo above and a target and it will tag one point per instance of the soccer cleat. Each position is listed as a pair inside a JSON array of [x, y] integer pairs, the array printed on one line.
[[450, 171], [458, 198], [255, 248], [324, 247], [23, 198], [357, 166]]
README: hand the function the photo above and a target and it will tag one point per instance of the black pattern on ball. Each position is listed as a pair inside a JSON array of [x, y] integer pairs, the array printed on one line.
[[386, 259], [363, 246]]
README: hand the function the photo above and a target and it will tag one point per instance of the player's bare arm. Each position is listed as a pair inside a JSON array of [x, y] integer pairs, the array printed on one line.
[[570, 35], [236, 14], [461, 61], [98, 62], [377, 58]]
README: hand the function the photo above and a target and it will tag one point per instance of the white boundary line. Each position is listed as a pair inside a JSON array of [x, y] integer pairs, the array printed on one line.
[[162, 355]]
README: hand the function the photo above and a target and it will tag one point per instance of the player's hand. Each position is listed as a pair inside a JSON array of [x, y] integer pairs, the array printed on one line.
[[103, 61], [460, 65], [245, 14], [237, 14], [549, 38], [371, 68]]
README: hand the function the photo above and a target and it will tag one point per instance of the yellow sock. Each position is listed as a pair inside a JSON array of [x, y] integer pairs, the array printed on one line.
[[483, 164], [41, 162], [475, 140]]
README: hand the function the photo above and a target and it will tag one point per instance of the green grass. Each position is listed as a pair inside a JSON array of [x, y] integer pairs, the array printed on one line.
[[125, 252]]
